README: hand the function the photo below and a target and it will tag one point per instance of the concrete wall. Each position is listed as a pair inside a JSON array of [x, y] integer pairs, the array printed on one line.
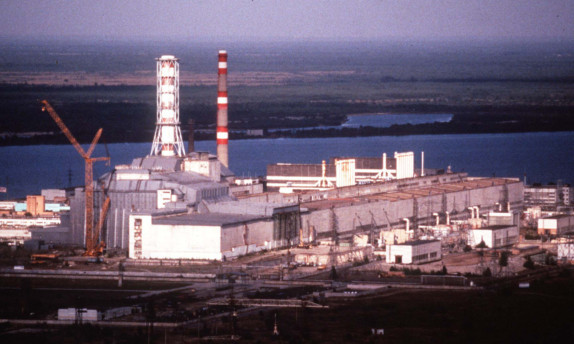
[[240, 239], [77, 217], [176, 241], [494, 238], [556, 225], [566, 251], [354, 218]]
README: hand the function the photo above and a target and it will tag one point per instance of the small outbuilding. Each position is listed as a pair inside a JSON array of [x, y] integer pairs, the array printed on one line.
[[414, 252], [493, 236], [556, 225]]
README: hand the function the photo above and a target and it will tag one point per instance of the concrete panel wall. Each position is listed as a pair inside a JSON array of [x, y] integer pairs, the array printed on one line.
[[77, 217], [247, 238], [355, 218], [180, 242]]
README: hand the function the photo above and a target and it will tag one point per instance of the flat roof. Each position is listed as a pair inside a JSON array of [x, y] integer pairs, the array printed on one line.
[[416, 242], [210, 219], [559, 216], [411, 193], [494, 227]]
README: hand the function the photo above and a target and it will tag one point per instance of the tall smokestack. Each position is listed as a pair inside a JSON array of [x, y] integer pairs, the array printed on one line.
[[222, 132], [167, 140]]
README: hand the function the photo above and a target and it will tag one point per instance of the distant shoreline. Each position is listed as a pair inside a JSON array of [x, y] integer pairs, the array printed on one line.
[[460, 124]]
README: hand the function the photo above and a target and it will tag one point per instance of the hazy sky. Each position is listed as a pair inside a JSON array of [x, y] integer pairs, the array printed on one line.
[[288, 19]]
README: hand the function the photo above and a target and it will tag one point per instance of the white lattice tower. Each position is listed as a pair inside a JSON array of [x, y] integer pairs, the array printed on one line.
[[167, 140]]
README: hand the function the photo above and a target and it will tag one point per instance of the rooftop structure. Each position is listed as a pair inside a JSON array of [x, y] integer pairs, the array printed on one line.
[[339, 172]]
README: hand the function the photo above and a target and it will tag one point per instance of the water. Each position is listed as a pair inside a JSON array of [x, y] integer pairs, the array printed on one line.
[[543, 157]]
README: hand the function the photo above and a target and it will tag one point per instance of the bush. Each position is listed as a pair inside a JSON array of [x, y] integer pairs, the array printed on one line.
[[503, 261], [529, 264], [333, 274], [412, 272], [482, 244], [531, 235]]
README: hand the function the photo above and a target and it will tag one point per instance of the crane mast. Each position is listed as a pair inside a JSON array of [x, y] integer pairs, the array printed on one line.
[[91, 236]]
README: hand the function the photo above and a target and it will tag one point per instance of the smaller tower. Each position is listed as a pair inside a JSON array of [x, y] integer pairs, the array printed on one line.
[[167, 140], [222, 132]]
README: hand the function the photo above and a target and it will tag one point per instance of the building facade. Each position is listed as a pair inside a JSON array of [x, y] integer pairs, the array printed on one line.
[[414, 252]]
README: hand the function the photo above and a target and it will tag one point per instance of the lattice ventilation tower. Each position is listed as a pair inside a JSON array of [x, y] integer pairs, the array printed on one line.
[[167, 140]]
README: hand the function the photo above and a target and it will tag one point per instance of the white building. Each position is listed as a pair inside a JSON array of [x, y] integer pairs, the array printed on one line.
[[414, 252], [547, 195], [78, 314], [566, 251], [241, 229], [556, 225], [493, 236], [339, 172]]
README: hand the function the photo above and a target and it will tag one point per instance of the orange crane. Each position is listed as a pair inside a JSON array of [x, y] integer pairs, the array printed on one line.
[[93, 247]]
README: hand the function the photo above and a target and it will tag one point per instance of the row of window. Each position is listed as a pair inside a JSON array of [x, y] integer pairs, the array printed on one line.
[[425, 256]]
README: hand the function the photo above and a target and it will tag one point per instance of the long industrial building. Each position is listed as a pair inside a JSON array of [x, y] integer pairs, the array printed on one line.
[[340, 213]]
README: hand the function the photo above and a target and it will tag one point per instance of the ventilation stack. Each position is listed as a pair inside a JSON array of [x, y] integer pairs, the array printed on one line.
[[222, 132], [167, 140]]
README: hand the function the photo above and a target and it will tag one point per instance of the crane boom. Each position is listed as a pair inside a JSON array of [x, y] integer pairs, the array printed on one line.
[[91, 236], [46, 106]]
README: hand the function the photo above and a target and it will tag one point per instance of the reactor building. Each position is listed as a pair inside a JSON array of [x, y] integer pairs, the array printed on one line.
[[170, 204]]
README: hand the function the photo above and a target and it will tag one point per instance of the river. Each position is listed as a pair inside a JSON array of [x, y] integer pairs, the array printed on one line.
[[543, 157]]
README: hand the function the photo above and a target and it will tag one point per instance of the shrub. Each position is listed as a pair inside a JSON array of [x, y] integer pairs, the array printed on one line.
[[529, 264]]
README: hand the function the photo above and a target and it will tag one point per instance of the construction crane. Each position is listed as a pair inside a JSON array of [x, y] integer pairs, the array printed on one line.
[[93, 247]]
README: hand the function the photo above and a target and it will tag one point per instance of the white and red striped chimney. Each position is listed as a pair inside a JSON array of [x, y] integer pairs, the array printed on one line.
[[222, 132]]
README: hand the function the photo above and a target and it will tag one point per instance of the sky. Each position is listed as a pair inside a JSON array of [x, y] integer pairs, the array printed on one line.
[[197, 20]]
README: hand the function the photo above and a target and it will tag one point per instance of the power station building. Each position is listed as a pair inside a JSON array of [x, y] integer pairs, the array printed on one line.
[[173, 205]]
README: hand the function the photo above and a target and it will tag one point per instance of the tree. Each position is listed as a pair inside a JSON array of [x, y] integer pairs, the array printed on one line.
[[333, 275], [487, 273], [503, 260], [482, 244], [529, 264]]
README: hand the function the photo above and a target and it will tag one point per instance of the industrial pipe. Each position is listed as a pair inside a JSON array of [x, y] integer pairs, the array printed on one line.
[[423, 165]]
